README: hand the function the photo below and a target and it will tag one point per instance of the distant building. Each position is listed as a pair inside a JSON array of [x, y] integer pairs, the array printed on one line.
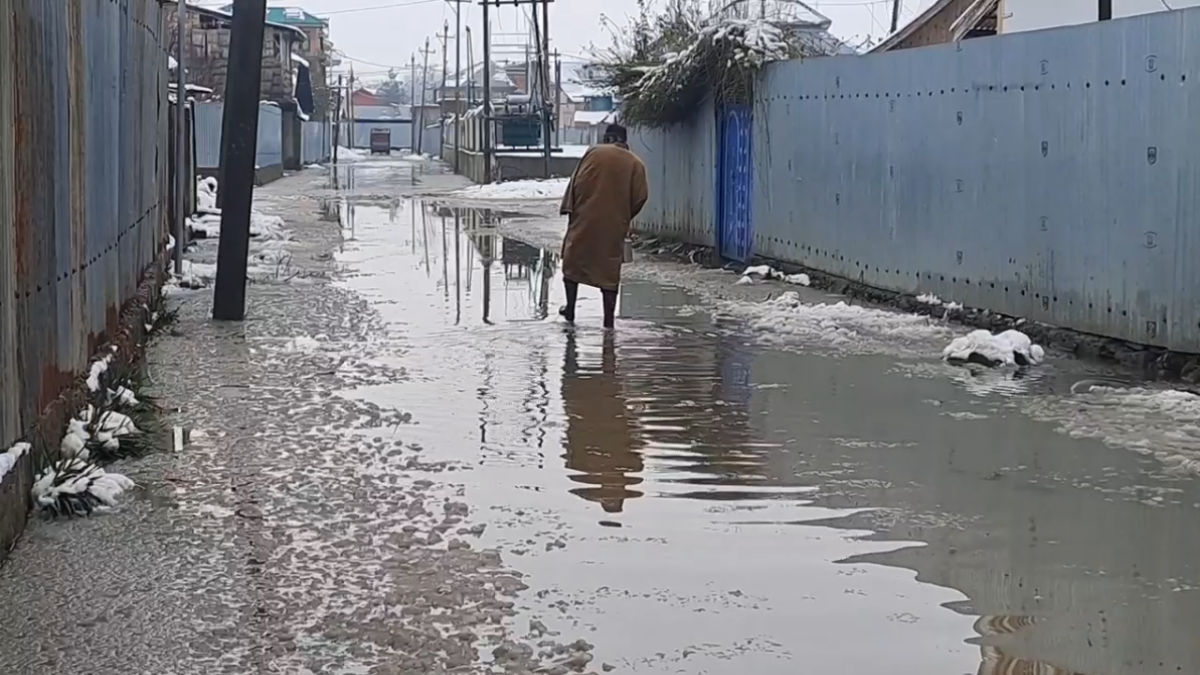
[[317, 51], [206, 61]]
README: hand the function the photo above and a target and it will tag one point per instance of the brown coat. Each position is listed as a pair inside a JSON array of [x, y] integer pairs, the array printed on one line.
[[606, 192]]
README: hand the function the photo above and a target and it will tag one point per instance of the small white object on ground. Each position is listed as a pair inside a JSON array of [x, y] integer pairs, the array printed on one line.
[[1010, 348], [516, 190]]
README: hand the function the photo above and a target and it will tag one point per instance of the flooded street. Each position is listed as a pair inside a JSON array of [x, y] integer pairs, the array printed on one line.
[[405, 462], [701, 502]]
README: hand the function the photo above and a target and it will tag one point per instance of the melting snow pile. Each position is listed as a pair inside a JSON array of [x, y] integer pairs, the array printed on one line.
[[760, 272], [515, 190], [206, 196], [10, 457], [103, 429], [1010, 348], [934, 301], [833, 325]]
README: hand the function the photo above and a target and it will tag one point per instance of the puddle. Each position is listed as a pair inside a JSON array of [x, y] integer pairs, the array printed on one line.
[[701, 503]]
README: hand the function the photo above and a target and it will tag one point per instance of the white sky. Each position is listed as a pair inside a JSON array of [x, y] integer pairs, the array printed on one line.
[[375, 34]]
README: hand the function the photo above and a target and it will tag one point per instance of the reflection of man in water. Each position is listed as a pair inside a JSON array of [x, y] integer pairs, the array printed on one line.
[[600, 438]]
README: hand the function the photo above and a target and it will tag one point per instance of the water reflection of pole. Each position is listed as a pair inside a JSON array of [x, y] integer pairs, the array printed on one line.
[[487, 290], [413, 235], [445, 263], [543, 306], [425, 237], [457, 270]]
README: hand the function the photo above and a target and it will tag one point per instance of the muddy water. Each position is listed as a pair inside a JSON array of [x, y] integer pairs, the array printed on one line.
[[697, 502]]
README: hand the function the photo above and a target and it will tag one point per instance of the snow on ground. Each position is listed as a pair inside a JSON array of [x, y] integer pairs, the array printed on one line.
[[758, 273], [515, 190], [351, 154], [8, 458], [835, 325], [208, 226], [934, 301], [415, 157], [1010, 348], [1159, 423]]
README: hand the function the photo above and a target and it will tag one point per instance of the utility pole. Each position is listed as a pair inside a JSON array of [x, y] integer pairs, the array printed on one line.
[[895, 15], [445, 37], [487, 94], [557, 97], [241, 123], [424, 79], [337, 129], [181, 154], [544, 76], [352, 128], [458, 110]]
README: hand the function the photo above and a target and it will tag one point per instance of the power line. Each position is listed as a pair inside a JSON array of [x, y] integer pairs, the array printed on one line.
[[393, 5]]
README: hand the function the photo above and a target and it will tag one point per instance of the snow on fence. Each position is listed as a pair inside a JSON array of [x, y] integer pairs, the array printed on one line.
[[208, 135], [84, 191], [316, 142]]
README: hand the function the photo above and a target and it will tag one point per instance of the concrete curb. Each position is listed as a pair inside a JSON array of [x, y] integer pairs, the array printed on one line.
[[129, 339], [1151, 362]]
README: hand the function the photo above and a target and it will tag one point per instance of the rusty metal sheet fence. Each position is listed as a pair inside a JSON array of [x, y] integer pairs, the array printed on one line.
[[83, 201], [269, 146], [1050, 175]]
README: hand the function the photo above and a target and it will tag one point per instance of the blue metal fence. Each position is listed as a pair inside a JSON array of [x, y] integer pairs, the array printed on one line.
[[316, 142], [83, 188], [735, 171], [1048, 174], [208, 135]]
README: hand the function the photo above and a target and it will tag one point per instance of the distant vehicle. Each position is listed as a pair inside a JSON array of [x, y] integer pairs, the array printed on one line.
[[381, 141]]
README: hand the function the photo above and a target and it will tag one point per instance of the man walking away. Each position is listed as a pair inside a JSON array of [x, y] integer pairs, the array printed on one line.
[[606, 192]]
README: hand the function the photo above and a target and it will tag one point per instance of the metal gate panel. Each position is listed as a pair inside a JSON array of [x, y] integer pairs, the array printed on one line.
[[734, 183]]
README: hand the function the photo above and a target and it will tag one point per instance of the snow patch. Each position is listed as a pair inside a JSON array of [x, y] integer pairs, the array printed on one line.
[[10, 457], [98, 369], [516, 190], [75, 479], [934, 301], [839, 325], [756, 273], [1010, 348]]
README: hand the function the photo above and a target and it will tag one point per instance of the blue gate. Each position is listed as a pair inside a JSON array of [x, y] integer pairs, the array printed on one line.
[[734, 180]]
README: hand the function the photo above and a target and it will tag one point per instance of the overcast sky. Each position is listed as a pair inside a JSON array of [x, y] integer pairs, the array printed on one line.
[[376, 34]]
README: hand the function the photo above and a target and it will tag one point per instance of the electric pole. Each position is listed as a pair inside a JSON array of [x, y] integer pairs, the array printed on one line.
[[241, 122], [895, 14], [424, 79], [353, 126], [337, 129], [445, 38], [181, 150], [458, 110], [544, 76], [487, 94]]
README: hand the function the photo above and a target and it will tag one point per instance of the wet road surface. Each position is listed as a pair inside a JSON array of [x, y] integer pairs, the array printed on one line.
[[691, 493]]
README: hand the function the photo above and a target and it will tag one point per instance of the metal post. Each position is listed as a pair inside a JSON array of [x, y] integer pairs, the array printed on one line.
[[895, 15], [181, 155], [487, 95], [241, 121]]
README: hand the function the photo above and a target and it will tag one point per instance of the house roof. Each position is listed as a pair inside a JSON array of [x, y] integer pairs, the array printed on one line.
[[292, 16], [228, 16], [912, 26]]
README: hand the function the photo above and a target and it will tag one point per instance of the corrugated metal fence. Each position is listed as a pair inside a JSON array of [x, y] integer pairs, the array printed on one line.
[[208, 135], [1053, 175], [316, 142], [83, 198]]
